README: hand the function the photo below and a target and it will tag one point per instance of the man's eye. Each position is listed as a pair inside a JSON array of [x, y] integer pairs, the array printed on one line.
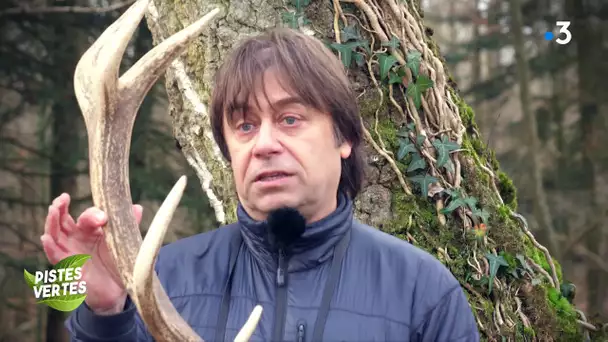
[[290, 120], [246, 127]]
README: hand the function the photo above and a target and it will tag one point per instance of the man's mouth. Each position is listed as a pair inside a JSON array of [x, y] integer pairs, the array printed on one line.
[[270, 176]]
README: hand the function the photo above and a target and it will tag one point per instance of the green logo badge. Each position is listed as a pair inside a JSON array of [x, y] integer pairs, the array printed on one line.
[[61, 287]]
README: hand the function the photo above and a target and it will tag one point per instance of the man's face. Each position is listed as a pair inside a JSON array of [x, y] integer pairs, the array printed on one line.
[[284, 153]]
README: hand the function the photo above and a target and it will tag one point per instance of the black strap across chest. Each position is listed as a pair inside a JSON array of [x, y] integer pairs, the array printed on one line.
[[330, 287], [328, 291], [235, 249]]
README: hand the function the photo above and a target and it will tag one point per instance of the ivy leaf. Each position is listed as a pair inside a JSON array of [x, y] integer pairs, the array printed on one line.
[[449, 166], [454, 193], [417, 163], [386, 63], [359, 59], [393, 43], [412, 61], [420, 140], [405, 147], [393, 77], [346, 52], [401, 72], [364, 43], [444, 147], [415, 94], [453, 205], [291, 19], [482, 214], [424, 83], [495, 261], [568, 291], [404, 132], [350, 33], [524, 263], [471, 202], [299, 4], [415, 90], [424, 182]]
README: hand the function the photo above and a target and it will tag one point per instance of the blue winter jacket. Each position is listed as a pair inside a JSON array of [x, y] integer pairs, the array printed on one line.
[[385, 289]]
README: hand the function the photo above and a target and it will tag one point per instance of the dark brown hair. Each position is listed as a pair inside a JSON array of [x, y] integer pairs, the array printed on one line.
[[310, 71]]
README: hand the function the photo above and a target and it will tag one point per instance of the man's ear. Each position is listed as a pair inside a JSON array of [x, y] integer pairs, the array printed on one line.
[[345, 149]]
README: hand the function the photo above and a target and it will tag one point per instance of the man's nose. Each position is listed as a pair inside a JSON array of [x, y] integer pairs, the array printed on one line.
[[266, 143]]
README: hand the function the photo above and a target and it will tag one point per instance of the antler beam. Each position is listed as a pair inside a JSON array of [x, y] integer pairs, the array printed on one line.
[[109, 105]]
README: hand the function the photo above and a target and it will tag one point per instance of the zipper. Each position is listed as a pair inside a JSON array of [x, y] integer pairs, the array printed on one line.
[[281, 269], [281, 308], [301, 332]]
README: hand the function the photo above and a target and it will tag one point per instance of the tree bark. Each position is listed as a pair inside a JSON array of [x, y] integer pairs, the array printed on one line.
[[466, 214]]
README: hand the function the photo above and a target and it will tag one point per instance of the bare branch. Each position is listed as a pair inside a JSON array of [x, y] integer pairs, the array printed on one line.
[[43, 204], [592, 257], [65, 9]]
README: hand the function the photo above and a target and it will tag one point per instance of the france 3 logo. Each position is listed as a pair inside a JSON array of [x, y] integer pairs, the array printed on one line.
[[564, 36]]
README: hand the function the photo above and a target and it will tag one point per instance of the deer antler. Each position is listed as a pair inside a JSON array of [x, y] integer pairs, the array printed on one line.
[[109, 105]]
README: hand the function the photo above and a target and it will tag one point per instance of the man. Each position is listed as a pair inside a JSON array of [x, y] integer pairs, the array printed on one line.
[[285, 118]]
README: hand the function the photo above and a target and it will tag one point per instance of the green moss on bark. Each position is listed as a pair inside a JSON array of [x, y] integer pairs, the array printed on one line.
[[414, 217], [553, 312]]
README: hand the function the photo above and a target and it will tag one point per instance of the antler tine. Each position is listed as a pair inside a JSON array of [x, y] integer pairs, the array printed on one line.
[[143, 271], [144, 264], [140, 77], [245, 334], [96, 73], [154, 306], [109, 107]]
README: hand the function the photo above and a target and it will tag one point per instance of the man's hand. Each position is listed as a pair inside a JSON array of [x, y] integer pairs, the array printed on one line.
[[64, 237]]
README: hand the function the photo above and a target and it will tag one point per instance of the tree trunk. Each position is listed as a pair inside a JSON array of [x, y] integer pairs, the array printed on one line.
[[540, 205], [65, 141], [444, 192], [589, 33]]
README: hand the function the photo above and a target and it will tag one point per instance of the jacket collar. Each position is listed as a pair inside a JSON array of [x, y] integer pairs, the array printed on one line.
[[314, 247]]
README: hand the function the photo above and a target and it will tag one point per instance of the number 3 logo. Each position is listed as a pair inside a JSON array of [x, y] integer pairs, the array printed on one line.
[[563, 28]]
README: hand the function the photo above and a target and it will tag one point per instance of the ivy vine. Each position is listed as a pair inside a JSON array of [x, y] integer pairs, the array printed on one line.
[[413, 152], [295, 17], [427, 151]]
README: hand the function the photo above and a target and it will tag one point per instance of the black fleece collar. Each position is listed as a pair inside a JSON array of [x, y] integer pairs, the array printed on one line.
[[314, 246]]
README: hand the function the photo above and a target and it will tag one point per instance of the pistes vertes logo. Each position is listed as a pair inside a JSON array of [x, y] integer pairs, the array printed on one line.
[[61, 287]]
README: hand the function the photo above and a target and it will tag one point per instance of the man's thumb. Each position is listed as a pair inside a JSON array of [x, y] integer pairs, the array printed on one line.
[[137, 211]]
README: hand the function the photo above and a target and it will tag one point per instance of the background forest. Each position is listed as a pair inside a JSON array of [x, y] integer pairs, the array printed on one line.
[[541, 107]]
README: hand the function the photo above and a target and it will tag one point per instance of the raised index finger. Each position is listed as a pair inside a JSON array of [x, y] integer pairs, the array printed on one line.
[[62, 203], [91, 219]]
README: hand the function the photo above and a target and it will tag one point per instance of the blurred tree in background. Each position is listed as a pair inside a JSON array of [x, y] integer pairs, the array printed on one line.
[[560, 172], [43, 147], [540, 106]]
